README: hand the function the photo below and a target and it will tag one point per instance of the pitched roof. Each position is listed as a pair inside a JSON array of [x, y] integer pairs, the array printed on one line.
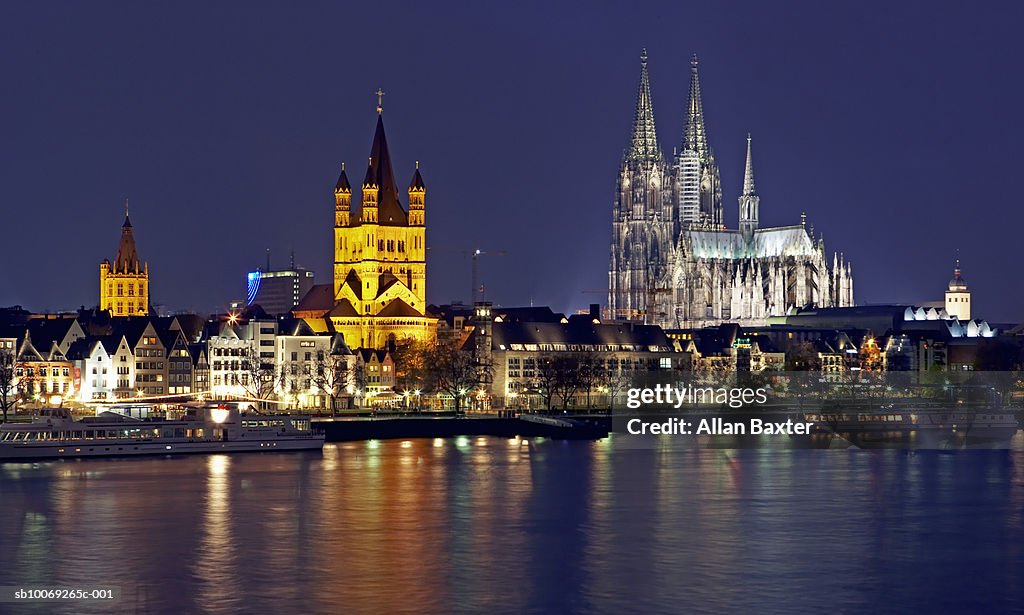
[[381, 174], [342, 184], [417, 180], [398, 308], [343, 308], [581, 331], [319, 298], [127, 258]]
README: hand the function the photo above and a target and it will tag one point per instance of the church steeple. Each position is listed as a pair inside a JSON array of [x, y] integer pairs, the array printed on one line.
[[644, 145], [749, 201], [127, 259], [748, 176], [694, 135], [124, 283], [380, 174]]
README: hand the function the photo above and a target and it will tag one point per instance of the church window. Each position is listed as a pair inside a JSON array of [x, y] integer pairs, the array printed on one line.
[[131, 290], [380, 245], [120, 290]]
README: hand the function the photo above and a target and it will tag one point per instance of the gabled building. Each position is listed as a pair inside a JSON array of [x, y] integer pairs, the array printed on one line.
[[95, 370]]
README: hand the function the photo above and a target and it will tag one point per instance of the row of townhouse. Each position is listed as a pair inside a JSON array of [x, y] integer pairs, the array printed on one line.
[[90, 357]]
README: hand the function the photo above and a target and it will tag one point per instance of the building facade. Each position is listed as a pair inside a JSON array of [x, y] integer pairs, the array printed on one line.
[[675, 263], [277, 292], [124, 283], [380, 256], [958, 296]]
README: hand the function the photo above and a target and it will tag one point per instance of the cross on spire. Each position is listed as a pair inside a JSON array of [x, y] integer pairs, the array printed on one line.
[[380, 100]]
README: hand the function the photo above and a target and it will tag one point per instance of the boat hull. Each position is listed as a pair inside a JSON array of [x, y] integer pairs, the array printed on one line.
[[49, 450]]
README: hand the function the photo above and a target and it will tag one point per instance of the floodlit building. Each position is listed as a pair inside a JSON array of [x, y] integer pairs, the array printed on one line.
[[380, 256], [673, 260], [124, 283]]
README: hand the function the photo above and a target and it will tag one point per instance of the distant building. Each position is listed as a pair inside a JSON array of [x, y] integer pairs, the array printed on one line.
[[277, 292], [958, 296], [124, 284], [519, 349]]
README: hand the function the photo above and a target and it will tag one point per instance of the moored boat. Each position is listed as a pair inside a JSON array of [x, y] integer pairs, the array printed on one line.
[[207, 428]]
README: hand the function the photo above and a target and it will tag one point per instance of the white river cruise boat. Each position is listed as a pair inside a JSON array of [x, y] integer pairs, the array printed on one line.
[[893, 426], [218, 428]]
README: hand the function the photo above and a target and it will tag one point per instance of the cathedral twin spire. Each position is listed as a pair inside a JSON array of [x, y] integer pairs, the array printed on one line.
[[694, 135], [645, 138]]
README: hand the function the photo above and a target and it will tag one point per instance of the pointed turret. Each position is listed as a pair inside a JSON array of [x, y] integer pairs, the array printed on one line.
[[695, 136], [342, 199], [749, 201], [749, 189], [342, 184], [417, 197], [644, 145]]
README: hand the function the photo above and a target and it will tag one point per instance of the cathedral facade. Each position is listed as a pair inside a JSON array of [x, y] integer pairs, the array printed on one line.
[[380, 265], [674, 262]]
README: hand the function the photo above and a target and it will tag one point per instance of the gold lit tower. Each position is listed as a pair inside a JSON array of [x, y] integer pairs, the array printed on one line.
[[124, 284], [380, 264]]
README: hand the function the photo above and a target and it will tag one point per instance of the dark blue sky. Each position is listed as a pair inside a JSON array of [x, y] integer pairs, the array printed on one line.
[[895, 126]]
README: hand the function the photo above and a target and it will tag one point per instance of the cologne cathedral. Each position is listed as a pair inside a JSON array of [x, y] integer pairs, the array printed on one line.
[[674, 262]]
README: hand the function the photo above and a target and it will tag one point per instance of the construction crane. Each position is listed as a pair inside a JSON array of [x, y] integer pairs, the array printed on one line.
[[475, 288]]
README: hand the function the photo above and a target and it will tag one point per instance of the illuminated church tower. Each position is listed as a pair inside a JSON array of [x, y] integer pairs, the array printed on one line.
[[380, 266], [124, 284]]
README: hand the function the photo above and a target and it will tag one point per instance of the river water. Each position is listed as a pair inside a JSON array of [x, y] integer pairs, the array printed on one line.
[[522, 526]]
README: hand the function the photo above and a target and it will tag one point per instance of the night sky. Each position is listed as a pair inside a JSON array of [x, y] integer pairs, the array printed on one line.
[[895, 126]]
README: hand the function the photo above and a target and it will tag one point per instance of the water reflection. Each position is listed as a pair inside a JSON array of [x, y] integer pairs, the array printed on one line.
[[522, 525]]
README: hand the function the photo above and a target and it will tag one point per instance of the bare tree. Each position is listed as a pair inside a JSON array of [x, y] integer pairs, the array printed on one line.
[[331, 374], [451, 371], [545, 382], [591, 373], [258, 376], [558, 376], [7, 392], [568, 381]]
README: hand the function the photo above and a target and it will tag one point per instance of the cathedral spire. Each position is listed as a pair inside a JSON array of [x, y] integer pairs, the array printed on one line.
[[749, 201], [644, 145], [749, 188], [694, 136]]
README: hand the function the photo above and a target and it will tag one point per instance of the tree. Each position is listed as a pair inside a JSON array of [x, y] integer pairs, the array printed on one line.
[[558, 376], [7, 387], [258, 376], [802, 357], [451, 371], [591, 373], [410, 357], [614, 380], [330, 374]]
